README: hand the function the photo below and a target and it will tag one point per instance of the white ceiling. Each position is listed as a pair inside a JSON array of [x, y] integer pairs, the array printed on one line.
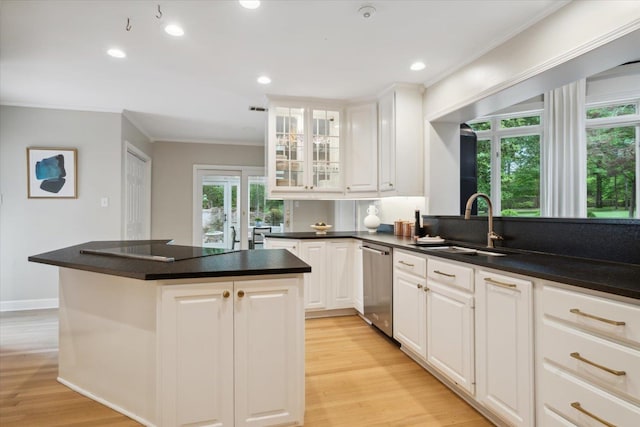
[[198, 88]]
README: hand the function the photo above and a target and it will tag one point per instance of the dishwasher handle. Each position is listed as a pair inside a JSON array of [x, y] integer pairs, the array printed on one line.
[[375, 251]]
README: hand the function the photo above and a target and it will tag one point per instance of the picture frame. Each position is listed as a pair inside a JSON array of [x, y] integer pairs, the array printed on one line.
[[52, 173]]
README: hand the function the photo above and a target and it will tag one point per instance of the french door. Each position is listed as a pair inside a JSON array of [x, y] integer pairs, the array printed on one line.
[[222, 210], [219, 209]]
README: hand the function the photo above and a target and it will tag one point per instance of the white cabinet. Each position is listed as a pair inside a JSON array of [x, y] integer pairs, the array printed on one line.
[[305, 149], [358, 276], [361, 169], [450, 322], [340, 271], [504, 346], [222, 345], [314, 253], [292, 246], [400, 133], [589, 357], [330, 285], [409, 301]]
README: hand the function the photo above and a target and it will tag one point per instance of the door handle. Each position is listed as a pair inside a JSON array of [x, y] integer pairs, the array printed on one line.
[[375, 251]]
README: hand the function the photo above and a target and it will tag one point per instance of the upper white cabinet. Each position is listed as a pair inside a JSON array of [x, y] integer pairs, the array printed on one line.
[[330, 149], [361, 169], [305, 150], [400, 133], [504, 346]]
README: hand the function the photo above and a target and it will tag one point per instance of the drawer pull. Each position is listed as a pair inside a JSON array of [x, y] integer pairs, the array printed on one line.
[[406, 263], [444, 274], [576, 405], [604, 368], [499, 283], [601, 319]]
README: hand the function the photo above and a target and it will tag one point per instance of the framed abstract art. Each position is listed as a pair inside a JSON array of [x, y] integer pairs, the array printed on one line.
[[52, 173]]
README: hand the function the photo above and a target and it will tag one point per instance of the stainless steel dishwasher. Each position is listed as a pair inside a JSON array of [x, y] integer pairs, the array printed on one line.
[[377, 264]]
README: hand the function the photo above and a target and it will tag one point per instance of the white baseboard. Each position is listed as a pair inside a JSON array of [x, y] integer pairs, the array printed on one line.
[[105, 402], [28, 304]]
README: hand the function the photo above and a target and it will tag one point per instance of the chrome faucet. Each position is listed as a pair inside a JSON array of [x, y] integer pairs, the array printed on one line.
[[491, 235]]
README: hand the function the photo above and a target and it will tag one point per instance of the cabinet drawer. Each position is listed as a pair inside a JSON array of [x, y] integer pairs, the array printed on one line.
[[573, 399], [414, 264], [450, 273], [612, 318], [618, 366]]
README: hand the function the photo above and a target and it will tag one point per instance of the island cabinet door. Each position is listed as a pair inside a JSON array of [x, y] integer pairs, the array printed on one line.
[[196, 342], [269, 352]]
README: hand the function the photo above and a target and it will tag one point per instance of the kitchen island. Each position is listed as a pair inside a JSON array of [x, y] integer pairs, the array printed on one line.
[[208, 339]]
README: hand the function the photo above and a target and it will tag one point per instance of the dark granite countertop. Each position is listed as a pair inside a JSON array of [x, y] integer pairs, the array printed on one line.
[[611, 277], [237, 263]]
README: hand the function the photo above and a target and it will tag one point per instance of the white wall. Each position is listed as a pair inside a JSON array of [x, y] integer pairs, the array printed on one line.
[[172, 182], [33, 226], [580, 39]]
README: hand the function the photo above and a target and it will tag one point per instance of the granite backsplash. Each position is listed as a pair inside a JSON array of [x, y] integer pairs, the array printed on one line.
[[603, 239]]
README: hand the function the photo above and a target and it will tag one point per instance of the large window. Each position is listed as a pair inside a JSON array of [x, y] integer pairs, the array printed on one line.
[[613, 132], [509, 162]]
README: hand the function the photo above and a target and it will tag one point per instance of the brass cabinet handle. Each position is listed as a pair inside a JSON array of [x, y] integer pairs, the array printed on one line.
[[348, 188], [576, 405], [601, 319], [419, 286], [406, 263], [444, 274], [240, 293], [577, 356], [499, 283], [226, 294]]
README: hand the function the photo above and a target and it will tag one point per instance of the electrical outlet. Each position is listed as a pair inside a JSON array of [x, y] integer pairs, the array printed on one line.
[[104, 202]]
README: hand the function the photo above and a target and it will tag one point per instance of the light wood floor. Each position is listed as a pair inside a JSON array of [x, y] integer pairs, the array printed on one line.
[[354, 377]]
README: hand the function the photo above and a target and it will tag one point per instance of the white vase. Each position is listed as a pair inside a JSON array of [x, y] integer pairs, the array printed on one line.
[[371, 221]]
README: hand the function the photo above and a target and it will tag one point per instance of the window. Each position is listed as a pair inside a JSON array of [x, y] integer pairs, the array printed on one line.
[[612, 159], [509, 162]]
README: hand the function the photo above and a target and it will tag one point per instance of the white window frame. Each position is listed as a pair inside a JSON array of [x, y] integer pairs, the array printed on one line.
[[620, 121], [495, 135]]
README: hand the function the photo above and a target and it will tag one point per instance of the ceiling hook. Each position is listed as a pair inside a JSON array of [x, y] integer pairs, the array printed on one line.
[[128, 27], [159, 15]]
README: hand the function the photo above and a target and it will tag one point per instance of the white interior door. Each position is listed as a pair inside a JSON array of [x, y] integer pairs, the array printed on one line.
[[137, 209]]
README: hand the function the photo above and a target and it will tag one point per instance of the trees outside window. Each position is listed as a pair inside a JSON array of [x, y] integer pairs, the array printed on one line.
[[612, 167], [509, 162]]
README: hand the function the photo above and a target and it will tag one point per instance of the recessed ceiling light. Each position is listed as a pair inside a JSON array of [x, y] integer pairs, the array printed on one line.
[[250, 4], [116, 53], [264, 80], [174, 30], [417, 66]]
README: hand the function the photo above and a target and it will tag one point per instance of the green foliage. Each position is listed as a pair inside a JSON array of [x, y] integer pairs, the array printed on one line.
[[517, 122], [611, 111], [480, 126], [509, 212], [611, 176], [520, 172]]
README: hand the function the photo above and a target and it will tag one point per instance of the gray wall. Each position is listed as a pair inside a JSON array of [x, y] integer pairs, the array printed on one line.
[[32, 226], [172, 182]]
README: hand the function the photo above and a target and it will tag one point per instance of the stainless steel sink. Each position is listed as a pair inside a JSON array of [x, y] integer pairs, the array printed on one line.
[[464, 251]]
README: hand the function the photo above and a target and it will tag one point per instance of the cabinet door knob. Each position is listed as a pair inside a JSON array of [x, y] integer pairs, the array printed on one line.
[[226, 294], [419, 286], [348, 188], [240, 293]]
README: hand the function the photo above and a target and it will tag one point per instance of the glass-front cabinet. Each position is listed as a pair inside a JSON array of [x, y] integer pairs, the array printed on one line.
[[305, 149]]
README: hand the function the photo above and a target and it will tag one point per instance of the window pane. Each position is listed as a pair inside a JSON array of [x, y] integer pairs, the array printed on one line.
[[479, 126], [484, 173], [611, 167], [517, 122], [611, 111], [520, 175]]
